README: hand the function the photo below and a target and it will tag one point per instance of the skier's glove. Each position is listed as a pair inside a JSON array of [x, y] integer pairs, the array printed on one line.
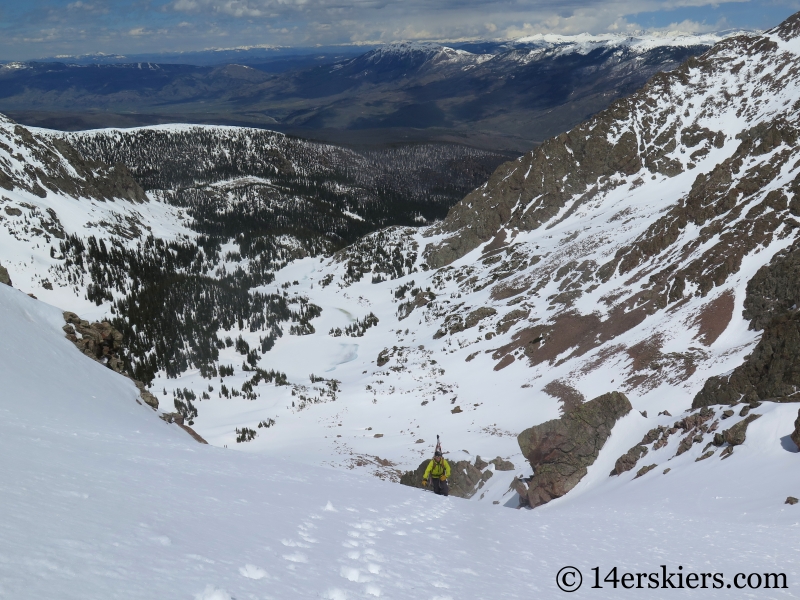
[[443, 478], [425, 482]]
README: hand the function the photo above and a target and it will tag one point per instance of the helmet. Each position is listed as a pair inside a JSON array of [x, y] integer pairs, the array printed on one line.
[[437, 453]]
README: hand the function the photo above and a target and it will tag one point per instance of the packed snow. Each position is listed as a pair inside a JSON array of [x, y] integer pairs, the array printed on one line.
[[101, 499]]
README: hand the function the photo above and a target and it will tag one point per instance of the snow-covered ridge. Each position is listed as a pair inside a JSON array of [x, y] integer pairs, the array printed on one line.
[[540, 45], [639, 41], [415, 55]]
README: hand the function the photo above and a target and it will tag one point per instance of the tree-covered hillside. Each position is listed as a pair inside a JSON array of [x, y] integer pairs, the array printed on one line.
[[256, 200]]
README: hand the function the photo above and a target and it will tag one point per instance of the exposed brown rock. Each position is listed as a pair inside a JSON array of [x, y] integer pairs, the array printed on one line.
[[796, 433], [103, 343], [627, 461], [736, 435], [568, 395], [196, 436], [644, 470], [771, 372], [172, 417], [383, 357], [561, 450], [519, 486], [502, 465], [714, 318], [99, 341], [652, 435], [145, 395], [705, 455], [478, 315], [685, 445], [715, 205], [646, 353], [511, 318], [504, 362], [4, 276], [695, 420]]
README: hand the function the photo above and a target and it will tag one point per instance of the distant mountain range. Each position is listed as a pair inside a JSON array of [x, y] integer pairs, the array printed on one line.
[[499, 95]]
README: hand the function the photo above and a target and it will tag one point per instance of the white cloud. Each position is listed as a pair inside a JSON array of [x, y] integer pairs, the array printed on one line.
[[194, 24], [185, 5]]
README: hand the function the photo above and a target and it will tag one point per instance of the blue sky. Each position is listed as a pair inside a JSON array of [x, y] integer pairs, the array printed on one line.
[[40, 28]]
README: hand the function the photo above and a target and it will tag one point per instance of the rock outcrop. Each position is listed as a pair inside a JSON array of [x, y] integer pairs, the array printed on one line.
[[795, 435], [627, 461], [103, 343], [736, 435], [4, 276], [177, 418], [501, 464], [772, 371], [465, 478], [99, 341], [146, 396], [561, 450]]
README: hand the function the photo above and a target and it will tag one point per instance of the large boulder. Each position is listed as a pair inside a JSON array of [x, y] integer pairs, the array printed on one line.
[[560, 451]]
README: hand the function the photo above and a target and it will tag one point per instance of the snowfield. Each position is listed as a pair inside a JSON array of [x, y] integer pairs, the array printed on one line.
[[101, 500]]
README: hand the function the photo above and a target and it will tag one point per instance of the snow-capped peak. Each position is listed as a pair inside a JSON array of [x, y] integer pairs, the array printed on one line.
[[640, 41], [420, 53]]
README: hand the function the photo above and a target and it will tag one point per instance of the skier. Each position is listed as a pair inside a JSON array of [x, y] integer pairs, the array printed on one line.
[[439, 469]]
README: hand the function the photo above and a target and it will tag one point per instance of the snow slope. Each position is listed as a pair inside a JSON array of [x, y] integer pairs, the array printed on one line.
[[102, 500], [51, 193]]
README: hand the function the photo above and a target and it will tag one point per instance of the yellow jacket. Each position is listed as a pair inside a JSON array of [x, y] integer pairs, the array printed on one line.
[[437, 470]]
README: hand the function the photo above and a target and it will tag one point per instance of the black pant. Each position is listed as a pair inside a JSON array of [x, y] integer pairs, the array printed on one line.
[[440, 487]]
